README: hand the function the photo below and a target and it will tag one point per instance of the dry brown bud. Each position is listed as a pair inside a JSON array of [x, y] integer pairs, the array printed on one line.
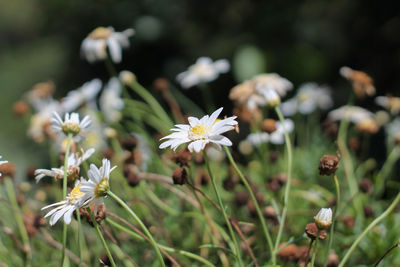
[[100, 216], [269, 212], [108, 153], [366, 186], [312, 229], [180, 176], [182, 157], [369, 211], [131, 175], [333, 259], [30, 173], [328, 164], [161, 84], [269, 126], [348, 221], [7, 169], [288, 253], [229, 183], [129, 143], [21, 108]]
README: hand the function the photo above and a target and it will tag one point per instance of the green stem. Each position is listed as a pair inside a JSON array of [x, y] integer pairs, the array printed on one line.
[[228, 223], [331, 234], [386, 169], [65, 181], [259, 213], [168, 249], [99, 234], [110, 67], [370, 226], [315, 249], [288, 183], [20, 222], [384, 255], [144, 228], [153, 103], [80, 246]]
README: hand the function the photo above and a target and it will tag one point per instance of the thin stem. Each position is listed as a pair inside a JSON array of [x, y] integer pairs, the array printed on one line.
[[288, 183], [169, 249], [370, 226], [315, 250], [20, 222], [153, 103], [99, 234], [110, 67], [387, 252], [259, 213], [386, 169], [144, 228], [65, 180], [237, 250], [331, 235], [80, 236]]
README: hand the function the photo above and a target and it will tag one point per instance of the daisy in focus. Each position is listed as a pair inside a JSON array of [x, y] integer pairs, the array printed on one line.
[[199, 132], [74, 161], [70, 125], [95, 189], [2, 162], [203, 71], [66, 208], [94, 46]]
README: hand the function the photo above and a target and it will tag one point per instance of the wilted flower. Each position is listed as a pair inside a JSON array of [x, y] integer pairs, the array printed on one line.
[[351, 113], [362, 83], [96, 187], [94, 47], [390, 103], [201, 132], [309, 97], [83, 95], [111, 102], [203, 71], [246, 94], [2, 162], [66, 208], [74, 161], [70, 125], [323, 219], [328, 164]]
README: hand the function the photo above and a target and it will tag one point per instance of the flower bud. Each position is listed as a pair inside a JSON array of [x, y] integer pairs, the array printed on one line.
[[127, 77], [179, 176], [328, 164], [323, 219]]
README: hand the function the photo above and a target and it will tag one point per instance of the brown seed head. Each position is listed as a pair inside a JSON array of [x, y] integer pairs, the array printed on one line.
[[7, 169], [100, 216], [312, 229], [131, 175], [328, 164], [333, 259], [180, 176], [288, 253], [368, 211], [21, 108], [182, 158], [348, 221], [366, 186], [161, 84], [269, 126], [30, 173]]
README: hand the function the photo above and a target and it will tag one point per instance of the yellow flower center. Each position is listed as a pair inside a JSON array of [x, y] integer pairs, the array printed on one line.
[[102, 187], [75, 194], [198, 132], [100, 33], [303, 97], [201, 69], [71, 127]]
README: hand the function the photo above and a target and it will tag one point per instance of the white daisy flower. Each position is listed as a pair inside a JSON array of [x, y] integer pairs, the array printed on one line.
[[94, 47], [2, 162], [86, 94], [203, 71], [71, 124], [256, 139], [96, 187], [351, 113], [111, 102], [272, 81], [39, 123], [323, 219], [66, 208], [74, 161], [277, 137], [201, 132]]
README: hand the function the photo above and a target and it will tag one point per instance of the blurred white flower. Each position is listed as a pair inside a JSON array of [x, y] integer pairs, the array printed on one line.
[[309, 97], [390, 103], [393, 130], [96, 187], [2, 162], [245, 94], [351, 113], [272, 81], [201, 132], [111, 102], [214, 154], [70, 125], [256, 139], [277, 137], [66, 208], [96, 137], [74, 161], [94, 47], [86, 94], [203, 71], [39, 125]]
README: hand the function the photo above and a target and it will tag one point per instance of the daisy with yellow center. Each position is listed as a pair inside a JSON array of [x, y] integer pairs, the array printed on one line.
[[97, 186], [200, 132], [66, 208], [71, 125]]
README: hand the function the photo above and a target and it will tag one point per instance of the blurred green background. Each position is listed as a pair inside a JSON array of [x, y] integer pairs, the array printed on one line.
[[301, 40]]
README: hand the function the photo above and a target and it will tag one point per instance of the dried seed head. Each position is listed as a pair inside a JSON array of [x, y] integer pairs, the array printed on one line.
[[21, 108], [131, 175], [100, 216], [183, 157], [269, 126], [328, 164], [180, 176], [288, 253], [368, 211], [312, 229], [366, 186], [333, 259], [7, 169], [348, 221]]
